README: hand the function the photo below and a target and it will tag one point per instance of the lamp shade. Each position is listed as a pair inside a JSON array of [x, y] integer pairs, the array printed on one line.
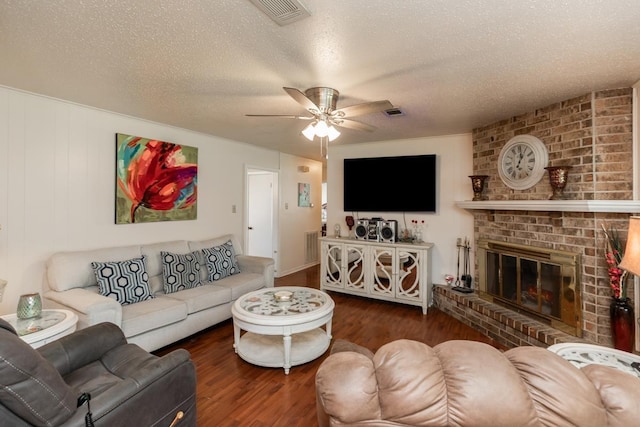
[[322, 129], [333, 133], [631, 260], [309, 132]]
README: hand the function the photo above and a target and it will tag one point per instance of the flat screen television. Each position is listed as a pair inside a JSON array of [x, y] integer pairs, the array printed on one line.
[[390, 184]]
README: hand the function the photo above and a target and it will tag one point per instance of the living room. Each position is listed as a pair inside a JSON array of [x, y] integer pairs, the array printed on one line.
[[59, 169]]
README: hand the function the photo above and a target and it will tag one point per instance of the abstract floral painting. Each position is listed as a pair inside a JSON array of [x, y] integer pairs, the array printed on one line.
[[156, 180]]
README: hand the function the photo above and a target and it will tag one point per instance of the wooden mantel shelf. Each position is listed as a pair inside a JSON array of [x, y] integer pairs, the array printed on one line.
[[611, 206]]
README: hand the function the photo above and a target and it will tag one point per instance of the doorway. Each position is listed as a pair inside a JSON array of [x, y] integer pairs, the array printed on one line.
[[260, 236]]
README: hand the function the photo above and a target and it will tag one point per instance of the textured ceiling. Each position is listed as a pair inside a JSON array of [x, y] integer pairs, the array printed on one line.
[[450, 65]]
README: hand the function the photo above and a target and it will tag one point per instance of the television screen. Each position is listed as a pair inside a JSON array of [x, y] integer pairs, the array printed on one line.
[[390, 184]]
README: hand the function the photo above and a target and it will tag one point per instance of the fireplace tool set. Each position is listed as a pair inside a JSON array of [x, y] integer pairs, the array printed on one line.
[[463, 284]]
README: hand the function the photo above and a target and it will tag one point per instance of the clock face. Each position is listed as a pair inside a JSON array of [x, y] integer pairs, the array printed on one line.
[[519, 161], [522, 162]]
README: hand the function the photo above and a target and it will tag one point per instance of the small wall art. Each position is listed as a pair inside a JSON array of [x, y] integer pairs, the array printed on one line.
[[304, 195], [155, 180]]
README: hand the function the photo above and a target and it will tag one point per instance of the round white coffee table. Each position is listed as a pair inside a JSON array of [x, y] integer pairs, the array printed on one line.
[[586, 354], [49, 326], [282, 333]]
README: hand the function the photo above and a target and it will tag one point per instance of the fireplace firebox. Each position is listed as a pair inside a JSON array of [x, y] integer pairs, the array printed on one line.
[[539, 282]]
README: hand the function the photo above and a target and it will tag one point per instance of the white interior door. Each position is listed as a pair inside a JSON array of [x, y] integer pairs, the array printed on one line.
[[260, 218]]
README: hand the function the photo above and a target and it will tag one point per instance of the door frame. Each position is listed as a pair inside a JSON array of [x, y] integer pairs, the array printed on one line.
[[275, 214]]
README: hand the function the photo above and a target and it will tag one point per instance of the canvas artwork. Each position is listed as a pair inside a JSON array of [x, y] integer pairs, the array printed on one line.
[[155, 180], [304, 195]]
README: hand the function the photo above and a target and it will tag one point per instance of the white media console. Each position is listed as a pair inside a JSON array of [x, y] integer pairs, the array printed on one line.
[[398, 272]]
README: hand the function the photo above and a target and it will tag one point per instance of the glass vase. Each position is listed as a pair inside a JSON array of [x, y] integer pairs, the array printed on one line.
[[29, 305], [622, 324]]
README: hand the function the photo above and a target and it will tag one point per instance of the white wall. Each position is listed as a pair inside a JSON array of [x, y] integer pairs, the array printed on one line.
[[57, 185], [454, 165], [293, 220]]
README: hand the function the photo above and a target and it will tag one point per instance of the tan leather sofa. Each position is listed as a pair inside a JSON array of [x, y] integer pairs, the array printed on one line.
[[467, 383]]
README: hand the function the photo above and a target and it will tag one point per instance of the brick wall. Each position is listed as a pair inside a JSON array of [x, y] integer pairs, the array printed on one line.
[[507, 327], [592, 133]]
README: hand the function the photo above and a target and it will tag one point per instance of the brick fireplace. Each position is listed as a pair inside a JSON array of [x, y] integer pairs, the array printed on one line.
[[539, 282], [593, 134]]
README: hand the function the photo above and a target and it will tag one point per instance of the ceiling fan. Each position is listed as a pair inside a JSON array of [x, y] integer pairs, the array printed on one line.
[[321, 103]]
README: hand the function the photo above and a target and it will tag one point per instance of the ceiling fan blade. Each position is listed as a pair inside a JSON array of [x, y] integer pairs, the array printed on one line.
[[352, 124], [301, 98], [364, 108], [281, 116]]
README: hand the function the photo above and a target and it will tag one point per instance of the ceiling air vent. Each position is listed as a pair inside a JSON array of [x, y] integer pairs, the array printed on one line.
[[393, 112], [283, 12]]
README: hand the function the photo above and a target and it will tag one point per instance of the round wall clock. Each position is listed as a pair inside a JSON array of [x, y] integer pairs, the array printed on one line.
[[522, 161]]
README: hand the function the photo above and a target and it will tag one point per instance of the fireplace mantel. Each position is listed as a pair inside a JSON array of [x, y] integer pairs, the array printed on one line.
[[611, 206]]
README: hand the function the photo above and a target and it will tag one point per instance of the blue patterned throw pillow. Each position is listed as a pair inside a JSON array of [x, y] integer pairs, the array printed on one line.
[[125, 281], [180, 271], [221, 261]]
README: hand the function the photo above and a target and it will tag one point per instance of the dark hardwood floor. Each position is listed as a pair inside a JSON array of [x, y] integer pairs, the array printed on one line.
[[231, 392]]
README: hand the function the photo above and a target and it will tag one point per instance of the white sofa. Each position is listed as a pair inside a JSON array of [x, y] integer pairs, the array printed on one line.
[[154, 323]]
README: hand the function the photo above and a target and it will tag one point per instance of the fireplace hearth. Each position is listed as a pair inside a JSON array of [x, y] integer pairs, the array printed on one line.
[[538, 282]]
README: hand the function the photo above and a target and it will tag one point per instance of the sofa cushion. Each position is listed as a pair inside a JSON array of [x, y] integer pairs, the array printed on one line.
[[341, 345], [152, 252], [221, 261], [125, 281], [154, 260], [240, 284], [180, 272], [68, 270], [25, 377], [151, 314], [216, 241], [203, 297]]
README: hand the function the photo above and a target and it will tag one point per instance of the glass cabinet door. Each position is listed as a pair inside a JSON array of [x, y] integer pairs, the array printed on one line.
[[408, 278], [384, 266], [333, 267], [354, 268]]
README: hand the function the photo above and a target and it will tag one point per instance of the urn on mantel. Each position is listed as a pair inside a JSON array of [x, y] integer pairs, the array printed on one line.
[[558, 176], [477, 183]]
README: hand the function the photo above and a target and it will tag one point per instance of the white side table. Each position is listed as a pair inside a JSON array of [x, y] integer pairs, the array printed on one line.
[[49, 326], [586, 354]]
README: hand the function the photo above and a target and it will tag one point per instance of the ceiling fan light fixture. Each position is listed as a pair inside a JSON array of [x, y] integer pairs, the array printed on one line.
[[322, 129], [333, 133], [309, 132]]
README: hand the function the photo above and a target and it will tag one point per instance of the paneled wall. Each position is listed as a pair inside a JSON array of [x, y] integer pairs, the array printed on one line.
[[57, 184]]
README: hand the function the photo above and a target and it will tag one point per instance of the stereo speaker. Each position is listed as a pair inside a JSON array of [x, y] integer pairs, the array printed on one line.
[[362, 229], [387, 231]]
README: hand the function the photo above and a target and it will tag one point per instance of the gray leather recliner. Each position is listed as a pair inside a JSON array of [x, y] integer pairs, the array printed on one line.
[[128, 386]]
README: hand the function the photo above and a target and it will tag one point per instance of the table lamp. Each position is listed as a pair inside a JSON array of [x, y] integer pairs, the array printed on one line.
[[631, 260]]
